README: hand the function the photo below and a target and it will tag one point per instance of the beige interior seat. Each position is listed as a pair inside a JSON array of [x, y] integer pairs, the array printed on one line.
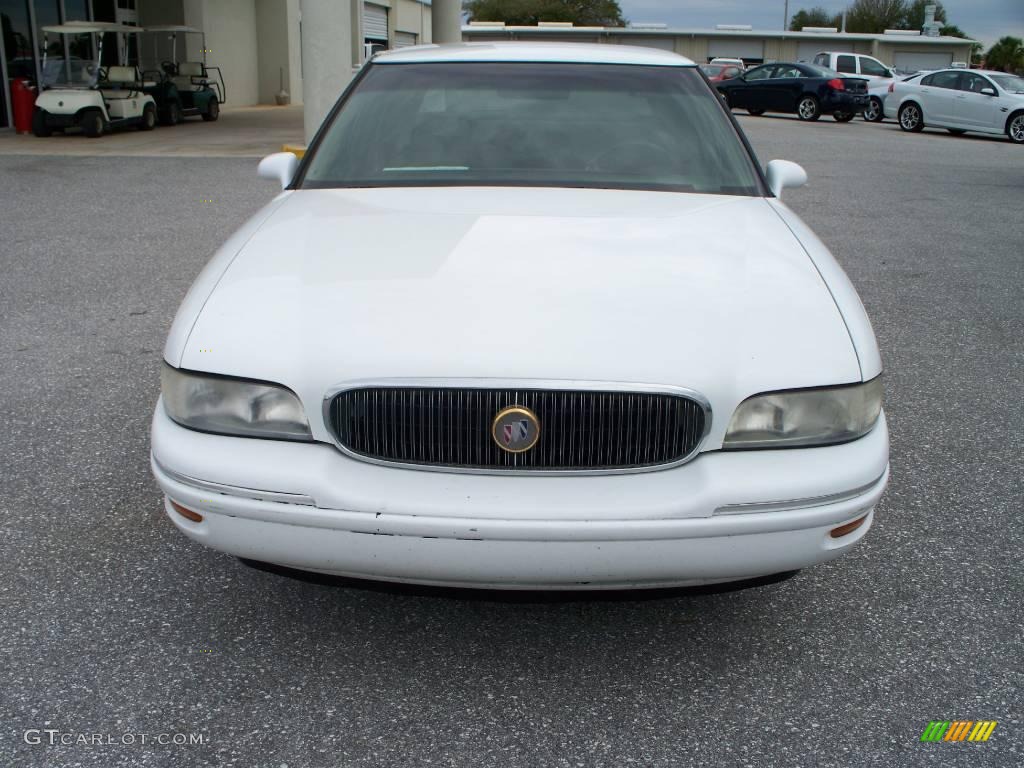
[[186, 71], [119, 81]]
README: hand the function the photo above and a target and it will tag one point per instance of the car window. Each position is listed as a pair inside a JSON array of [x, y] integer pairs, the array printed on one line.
[[730, 72], [788, 72], [822, 59], [759, 73], [846, 64], [872, 67], [1011, 83], [973, 83], [598, 126], [942, 80]]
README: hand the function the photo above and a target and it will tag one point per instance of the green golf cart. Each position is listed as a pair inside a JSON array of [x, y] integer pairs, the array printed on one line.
[[182, 88]]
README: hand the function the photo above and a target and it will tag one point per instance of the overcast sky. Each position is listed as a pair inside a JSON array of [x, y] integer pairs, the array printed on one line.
[[984, 20]]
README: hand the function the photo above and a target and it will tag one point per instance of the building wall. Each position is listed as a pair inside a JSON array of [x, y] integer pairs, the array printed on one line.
[[693, 48], [274, 41], [231, 42], [409, 16], [294, 51]]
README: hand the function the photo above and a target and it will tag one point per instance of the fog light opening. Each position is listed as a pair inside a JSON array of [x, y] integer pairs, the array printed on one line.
[[842, 530], [187, 513]]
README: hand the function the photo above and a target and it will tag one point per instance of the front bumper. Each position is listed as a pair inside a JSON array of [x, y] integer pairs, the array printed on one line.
[[722, 517]]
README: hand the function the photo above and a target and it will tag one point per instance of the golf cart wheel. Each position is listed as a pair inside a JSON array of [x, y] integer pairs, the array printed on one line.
[[92, 124], [756, 112], [842, 117], [148, 122], [910, 117], [39, 124], [172, 115], [212, 110], [874, 112], [808, 109], [1015, 128]]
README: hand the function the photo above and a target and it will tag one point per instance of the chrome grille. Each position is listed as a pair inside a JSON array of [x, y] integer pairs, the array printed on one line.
[[579, 429]]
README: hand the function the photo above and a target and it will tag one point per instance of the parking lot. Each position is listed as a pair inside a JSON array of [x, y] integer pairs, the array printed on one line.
[[114, 623]]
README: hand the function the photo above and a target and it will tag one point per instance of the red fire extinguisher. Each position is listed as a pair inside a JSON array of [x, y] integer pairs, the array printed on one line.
[[23, 101]]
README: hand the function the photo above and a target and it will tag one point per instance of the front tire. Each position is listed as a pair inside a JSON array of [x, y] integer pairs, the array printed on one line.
[[172, 115], [808, 109], [92, 124], [875, 112], [1015, 128], [212, 110], [40, 126], [756, 112], [910, 117], [148, 122], [842, 117]]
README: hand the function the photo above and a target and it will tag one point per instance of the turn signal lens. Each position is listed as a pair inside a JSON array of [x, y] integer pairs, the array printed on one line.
[[842, 530], [187, 513]]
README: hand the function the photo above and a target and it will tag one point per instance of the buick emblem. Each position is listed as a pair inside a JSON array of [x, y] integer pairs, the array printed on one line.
[[515, 429]]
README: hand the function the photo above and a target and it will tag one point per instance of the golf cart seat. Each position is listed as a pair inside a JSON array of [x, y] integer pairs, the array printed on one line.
[[120, 82], [186, 71]]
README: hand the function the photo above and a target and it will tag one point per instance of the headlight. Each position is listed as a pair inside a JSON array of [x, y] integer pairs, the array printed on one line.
[[232, 406], [806, 417]]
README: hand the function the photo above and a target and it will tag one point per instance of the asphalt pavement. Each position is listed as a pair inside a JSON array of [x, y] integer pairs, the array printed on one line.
[[113, 624]]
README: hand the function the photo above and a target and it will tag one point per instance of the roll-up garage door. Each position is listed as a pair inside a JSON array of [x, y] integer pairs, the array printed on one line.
[[735, 48], [806, 50], [375, 22], [914, 61], [404, 39]]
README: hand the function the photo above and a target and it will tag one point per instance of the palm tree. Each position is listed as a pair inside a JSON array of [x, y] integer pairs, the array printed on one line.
[[1007, 54]]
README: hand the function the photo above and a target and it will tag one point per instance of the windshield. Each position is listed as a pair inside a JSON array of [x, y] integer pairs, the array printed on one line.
[[712, 69], [529, 124], [1010, 83], [73, 72]]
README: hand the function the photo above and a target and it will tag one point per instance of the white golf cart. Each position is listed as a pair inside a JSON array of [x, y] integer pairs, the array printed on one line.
[[79, 93]]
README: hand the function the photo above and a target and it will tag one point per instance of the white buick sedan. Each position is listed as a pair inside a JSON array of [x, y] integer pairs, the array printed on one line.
[[525, 316]]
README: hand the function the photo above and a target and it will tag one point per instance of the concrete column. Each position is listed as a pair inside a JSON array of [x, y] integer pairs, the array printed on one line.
[[326, 57], [446, 21]]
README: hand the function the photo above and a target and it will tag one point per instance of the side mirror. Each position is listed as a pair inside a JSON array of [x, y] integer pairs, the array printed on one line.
[[988, 91], [783, 174], [279, 167]]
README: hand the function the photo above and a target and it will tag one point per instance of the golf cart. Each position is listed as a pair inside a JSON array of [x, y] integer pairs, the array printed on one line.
[[80, 93], [183, 88]]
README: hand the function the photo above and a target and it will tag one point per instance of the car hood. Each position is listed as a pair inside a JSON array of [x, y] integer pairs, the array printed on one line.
[[709, 292]]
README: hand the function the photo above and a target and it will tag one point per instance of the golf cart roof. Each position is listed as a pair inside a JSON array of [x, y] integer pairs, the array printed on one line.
[[173, 28], [86, 27]]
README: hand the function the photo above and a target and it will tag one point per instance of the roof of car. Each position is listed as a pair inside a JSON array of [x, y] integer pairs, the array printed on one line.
[[576, 53]]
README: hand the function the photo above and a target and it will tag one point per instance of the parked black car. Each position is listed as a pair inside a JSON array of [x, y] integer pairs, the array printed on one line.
[[806, 89]]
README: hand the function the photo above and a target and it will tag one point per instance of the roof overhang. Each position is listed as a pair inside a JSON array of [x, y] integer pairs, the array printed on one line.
[[483, 28], [92, 27]]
